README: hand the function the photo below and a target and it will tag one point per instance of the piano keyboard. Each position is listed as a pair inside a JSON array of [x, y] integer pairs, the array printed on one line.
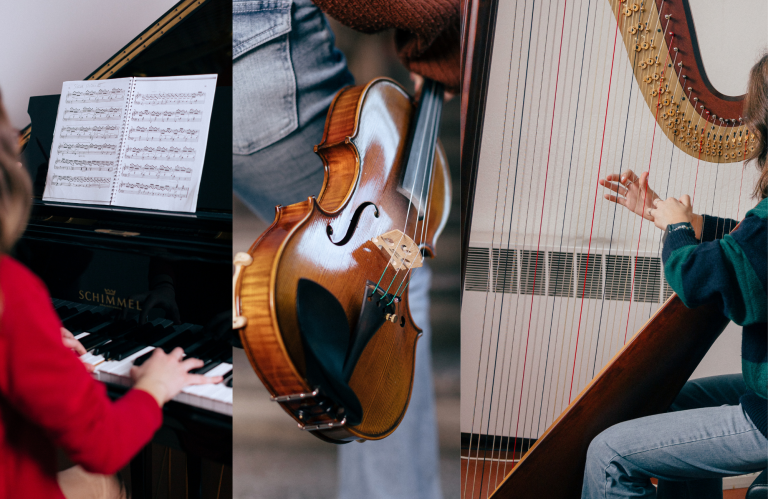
[[115, 345]]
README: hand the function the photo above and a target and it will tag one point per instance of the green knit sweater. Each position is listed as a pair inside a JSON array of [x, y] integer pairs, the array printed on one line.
[[728, 269]]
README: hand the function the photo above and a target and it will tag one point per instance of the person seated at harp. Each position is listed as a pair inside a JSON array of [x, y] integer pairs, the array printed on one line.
[[716, 426], [47, 397]]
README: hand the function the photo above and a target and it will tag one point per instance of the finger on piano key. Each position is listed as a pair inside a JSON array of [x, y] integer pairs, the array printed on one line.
[[90, 358], [119, 371], [210, 397]]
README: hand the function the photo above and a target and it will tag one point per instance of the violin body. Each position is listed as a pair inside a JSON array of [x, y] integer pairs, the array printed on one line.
[[328, 240]]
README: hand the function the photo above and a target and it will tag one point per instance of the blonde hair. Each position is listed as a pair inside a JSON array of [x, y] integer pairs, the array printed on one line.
[[756, 119]]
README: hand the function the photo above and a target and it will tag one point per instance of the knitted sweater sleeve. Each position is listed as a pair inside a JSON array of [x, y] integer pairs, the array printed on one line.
[[728, 272], [427, 37], [49, 385]]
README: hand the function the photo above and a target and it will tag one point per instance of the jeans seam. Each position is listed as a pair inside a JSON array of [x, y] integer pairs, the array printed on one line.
[[687, 442]]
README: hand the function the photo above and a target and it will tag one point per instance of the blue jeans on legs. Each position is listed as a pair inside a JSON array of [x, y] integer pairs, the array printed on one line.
[[286, 72], [688, 450]]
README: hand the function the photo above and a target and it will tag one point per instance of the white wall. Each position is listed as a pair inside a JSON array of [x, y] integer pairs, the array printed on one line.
[[47, 42]]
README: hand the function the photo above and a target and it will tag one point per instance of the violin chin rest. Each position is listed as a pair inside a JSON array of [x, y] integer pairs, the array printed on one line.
[[325, 337]]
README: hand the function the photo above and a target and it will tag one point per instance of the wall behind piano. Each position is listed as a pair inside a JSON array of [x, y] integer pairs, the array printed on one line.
[[47, 42]]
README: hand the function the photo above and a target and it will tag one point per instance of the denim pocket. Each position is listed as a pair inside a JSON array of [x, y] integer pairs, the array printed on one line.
[[264, 107]]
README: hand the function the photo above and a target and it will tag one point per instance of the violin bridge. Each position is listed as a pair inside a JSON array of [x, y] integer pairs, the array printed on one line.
[[402, 250]]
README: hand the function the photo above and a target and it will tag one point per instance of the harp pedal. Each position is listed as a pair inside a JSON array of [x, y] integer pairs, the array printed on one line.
[[402, 250]]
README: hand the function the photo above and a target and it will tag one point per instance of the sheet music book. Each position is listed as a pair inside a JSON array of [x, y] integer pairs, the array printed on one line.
[[134, 142]]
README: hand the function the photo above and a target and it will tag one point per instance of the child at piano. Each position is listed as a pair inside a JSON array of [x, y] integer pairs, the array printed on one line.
[[47, 397], [716, 426]]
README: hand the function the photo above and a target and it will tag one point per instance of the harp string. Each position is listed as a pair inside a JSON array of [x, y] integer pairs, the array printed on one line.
[[584, 367], [483, 329], [645, 193]]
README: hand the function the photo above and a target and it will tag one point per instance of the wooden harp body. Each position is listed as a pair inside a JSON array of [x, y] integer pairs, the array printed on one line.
[[568, 323]]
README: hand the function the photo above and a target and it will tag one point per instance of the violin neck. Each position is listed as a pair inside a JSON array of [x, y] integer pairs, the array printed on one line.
[[418, 170]]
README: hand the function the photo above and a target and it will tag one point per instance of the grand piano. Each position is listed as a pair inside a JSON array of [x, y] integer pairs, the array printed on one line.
[[126, 281]]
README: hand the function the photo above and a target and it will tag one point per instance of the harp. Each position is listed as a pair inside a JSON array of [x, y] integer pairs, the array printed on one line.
[[568, 325]]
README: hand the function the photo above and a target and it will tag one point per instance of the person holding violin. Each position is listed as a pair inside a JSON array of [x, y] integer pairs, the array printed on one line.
[[287, 71], [716, 426], [47, 397]]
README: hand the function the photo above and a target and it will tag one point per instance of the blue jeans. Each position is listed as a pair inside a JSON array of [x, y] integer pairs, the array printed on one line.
[[286, 72], [688, 449]]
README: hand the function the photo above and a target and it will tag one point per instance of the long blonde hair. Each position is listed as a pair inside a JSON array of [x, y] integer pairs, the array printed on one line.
[[756, 119]]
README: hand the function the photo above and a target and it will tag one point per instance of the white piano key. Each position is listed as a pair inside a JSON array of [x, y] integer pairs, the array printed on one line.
[[118, 371], [81, 336]]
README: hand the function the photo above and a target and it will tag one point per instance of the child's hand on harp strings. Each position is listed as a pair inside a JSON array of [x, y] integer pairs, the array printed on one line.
[[631, 192]]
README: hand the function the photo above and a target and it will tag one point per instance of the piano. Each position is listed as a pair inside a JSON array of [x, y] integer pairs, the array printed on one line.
[[126, 281]]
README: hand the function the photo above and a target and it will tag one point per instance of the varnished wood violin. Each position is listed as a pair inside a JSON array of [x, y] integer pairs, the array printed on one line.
[[321, 297]]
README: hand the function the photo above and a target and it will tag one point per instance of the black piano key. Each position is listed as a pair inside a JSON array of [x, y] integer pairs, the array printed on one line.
[[127, 352], [212, 360], [104, 348], [65, 311], [93, 340], [165, 339], [85, 321], [118, 328], [228, 379], [142, 358], [210, 364]]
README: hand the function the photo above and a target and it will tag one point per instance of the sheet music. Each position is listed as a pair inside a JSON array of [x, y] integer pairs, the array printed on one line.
[[86, 141], [137, 142], [165, 143]]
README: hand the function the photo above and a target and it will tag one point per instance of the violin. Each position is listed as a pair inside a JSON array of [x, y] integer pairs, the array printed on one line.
[[321, 297]]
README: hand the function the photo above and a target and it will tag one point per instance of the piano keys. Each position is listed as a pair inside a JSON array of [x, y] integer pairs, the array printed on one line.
[[115, 345]]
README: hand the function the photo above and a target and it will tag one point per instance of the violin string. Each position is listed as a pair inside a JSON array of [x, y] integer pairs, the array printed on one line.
[[428, 182], [408, 210]]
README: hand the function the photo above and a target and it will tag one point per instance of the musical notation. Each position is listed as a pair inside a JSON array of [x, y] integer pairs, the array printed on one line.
[[159, 152], [159, 172], [84, 149], [180, 115], [90, 132], [100, 95], [82, 165], [75, 181], [92, 114], [156, 134], [168, 191], [159, 98]]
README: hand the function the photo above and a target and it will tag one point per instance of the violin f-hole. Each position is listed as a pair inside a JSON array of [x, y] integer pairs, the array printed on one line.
[[352, 224]]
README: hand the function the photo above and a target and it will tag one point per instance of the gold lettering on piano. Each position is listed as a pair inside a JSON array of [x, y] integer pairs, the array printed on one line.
[[109, 299]]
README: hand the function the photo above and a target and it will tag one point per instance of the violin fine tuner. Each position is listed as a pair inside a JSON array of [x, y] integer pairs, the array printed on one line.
[[403, 251]]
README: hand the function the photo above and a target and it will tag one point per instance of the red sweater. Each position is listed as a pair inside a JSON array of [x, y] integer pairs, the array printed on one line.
[[48, 400], [427, 36]]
